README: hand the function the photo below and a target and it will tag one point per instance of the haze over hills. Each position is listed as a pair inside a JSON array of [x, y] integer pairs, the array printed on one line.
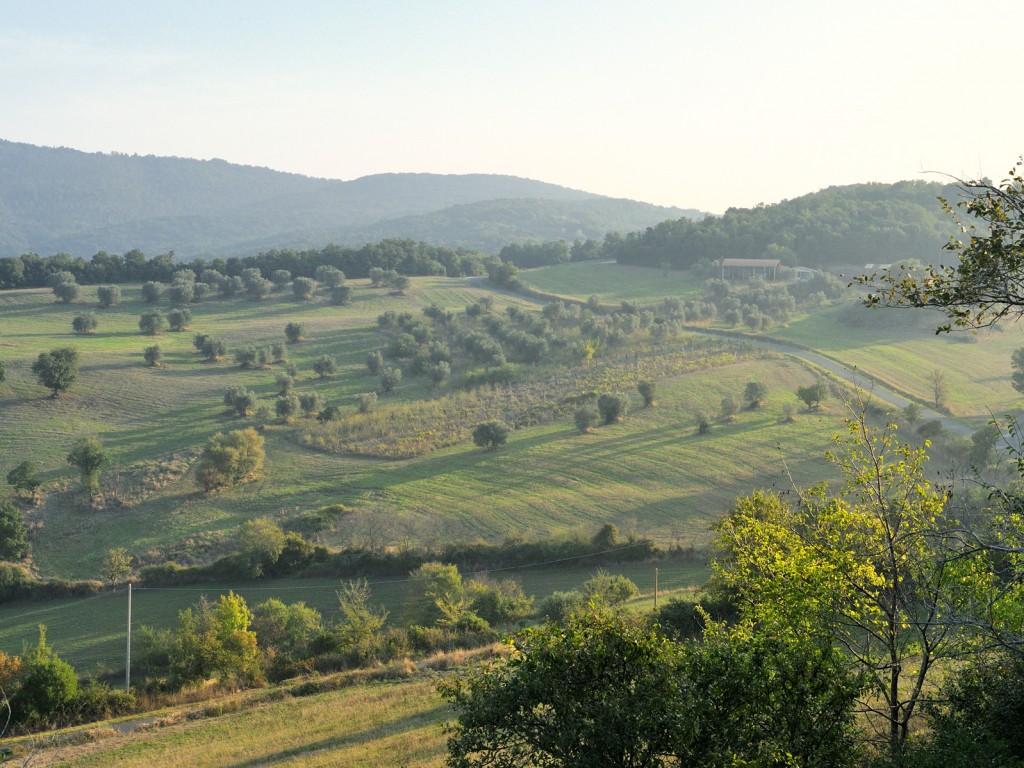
[[60, 199]]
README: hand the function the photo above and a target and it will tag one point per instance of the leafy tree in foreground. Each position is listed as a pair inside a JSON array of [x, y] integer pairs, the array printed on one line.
[[599, 691], [985, 282], [216, 641], [13, 533], [872, 569], [48, 686], [89, 457], [490, 434], [230, 458]]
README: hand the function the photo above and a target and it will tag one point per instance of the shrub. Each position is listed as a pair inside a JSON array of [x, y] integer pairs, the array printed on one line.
[[108, 295], [375, 363], [613, 406], [153, 355], [13, 532], [341, 295], [325, 366], [754, 394], [490, 434], [67, 292], [241, 400], [84, 324], [286, 407], [151, 323], [151, 291], [389, 379], [646, 390], [48, 686], [729, 408], [179, 319], [367, 402], [303, 288], [311, 402], [586, 418], [230, 458], [295, 332]]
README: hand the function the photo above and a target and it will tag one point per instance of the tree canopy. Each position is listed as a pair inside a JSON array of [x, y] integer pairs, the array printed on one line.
[[57, 369]]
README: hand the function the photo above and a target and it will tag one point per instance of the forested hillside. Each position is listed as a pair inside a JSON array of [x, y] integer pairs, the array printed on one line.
[[839, 226], [54, 200]]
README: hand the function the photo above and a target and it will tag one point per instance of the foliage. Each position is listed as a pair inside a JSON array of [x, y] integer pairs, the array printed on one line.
[[294, 332], [216, 641], [436, 583], [109, 295], [13, 532], [178, 319], [983, 284], [1017, 364], [311, 403], [366, 402], [977, 722], [153, 355], [389, 379], [647, 392], [613, 406], [231, 458], [286, 628], [873, 568], [260, 543], [812, 395], [89, 457], [754, 394], [151, 323], [48, 686], [325, 366], [23, 478], [359, 622], [57, 369], [303, 288], [600, 690], [286, 406], [375, 363], [85, 323], [117, 565], [490, 434], [586, 418], [67, 291], [983, 444], [241, 400]]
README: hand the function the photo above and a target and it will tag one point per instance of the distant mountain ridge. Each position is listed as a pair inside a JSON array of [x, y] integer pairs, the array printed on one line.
[[60, 199]]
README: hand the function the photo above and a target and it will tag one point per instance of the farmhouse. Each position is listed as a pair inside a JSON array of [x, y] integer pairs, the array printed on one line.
[[740, 269]]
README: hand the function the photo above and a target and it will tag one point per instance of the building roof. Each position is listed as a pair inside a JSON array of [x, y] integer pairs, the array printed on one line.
[[750, 262]]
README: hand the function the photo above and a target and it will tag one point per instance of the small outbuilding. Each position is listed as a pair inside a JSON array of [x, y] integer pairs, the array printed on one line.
[[744, 269]]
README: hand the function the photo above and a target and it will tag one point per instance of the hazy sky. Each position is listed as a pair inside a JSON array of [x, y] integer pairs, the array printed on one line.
[[704, 104]]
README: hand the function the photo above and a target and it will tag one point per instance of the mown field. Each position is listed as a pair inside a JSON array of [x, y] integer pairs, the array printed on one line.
[[652, 473]]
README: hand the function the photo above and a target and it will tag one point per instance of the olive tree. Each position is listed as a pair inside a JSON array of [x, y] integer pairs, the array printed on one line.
[[57, 369], [612, 406], [84, 324], [490, 434], [153, 355], [108, 295]]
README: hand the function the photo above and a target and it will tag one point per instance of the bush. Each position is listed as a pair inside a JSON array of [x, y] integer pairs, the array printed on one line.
[[241, 400], [229, 459], [286, 407], [325, 366], [151, 323], [389, 379], [108, 295], [67, 292], [151, 292], [295, 332], [367, 402], [647, 391], [303, 288], [490, 434], [311, 403], [48, 686], [375, 363], [13, 532], [586, 418], [754, 394], [179, 319], [153, 355], [84, 324]]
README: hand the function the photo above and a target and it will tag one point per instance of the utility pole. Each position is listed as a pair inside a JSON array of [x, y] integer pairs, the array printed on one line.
[[128, 654]]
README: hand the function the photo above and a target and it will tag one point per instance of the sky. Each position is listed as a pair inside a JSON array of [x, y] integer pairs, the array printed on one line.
[[710, 105]]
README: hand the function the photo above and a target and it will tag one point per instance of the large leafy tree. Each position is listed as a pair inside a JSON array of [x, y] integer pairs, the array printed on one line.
[[985, 281], [874, 568], [57, 369], [230, 458], [598, 691]]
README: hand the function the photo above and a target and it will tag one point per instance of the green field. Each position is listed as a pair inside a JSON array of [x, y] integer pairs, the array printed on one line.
[[612, 283]]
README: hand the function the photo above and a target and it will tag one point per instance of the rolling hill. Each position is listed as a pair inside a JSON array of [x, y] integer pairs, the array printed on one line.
[[60, 199]]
